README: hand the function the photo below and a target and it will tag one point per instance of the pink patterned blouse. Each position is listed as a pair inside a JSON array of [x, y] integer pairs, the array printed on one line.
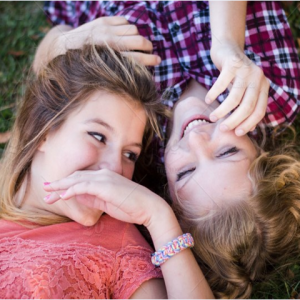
[[68, 260]]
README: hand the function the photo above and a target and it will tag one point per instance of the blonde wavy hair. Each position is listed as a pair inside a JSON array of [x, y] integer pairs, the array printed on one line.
[[64, 85], [247, 241]]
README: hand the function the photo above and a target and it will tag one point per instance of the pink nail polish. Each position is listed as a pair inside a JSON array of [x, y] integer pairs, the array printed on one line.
[[46, 183]]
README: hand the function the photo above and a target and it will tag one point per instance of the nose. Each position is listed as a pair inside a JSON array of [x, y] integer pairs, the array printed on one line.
[[197, 140], [111, 160]]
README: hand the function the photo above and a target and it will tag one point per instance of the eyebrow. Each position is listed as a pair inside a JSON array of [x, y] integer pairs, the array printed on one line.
[[99, 121], [111, 129]]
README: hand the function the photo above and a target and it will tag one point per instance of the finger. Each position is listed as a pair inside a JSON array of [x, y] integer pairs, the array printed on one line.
[[114, 20], [53, 197], [65, 183], [144, 59], [129, 29], [245, 109], [82, 188], [219, 86], [258, 114], [231, 102], [135, 42]]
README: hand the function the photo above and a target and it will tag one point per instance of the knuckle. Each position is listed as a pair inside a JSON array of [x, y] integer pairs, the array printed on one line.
[[220, 85], [134, 29], [101, 20], [259, 114], [249, 107], [140, 40], [235, 102], [77, 174]]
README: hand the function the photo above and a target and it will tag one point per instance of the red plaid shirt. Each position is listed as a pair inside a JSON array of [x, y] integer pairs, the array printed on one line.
[[181, 36]]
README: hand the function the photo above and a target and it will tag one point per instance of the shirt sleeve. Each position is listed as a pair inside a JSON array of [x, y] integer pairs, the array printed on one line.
[[73, 13], [133, 265]]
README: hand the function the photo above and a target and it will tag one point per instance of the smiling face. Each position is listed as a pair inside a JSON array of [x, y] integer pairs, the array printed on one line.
[[104, 133], [206, 167]]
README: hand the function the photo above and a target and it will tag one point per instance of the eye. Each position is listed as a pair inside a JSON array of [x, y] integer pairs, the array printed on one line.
[[232, 150], [183, 173], [98, 136], [132, 156]]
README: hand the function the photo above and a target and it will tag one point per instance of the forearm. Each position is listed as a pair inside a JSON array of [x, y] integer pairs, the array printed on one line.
[[50, 47], [182, 275], [227, 21]]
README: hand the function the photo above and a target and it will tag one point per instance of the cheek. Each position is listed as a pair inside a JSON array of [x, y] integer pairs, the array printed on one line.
[[128, 171], [73, 158]]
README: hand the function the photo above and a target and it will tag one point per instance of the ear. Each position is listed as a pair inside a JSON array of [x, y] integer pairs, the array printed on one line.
[[43, 144]]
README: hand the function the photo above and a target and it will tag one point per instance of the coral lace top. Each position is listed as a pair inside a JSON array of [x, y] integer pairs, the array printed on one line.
[[68, 260]]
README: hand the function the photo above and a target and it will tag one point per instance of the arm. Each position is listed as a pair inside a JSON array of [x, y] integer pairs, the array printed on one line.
[[151, 289], [133, 203], [50, 47], [114, 31], [246, 81], [230, 28]]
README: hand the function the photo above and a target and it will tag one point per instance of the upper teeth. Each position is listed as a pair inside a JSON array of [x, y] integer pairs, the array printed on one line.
[[193, 124]]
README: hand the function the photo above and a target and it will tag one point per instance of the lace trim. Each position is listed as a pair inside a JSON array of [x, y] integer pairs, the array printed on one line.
[[31, 269]]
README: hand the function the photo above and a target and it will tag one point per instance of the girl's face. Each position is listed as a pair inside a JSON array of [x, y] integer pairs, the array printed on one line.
[[206, 167], [104, 133]]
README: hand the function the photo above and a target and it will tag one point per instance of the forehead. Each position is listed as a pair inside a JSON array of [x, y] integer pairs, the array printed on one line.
[[113, 106], [215, 185]]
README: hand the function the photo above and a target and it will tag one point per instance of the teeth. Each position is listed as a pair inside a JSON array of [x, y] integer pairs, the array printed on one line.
[[193, 124]]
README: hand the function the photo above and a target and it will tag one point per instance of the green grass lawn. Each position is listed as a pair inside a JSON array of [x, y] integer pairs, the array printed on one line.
[[22, 26]]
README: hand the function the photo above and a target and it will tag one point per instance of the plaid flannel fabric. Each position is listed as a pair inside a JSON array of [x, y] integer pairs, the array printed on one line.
[[181, 36]]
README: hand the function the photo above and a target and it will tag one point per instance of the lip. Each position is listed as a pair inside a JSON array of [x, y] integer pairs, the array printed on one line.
[[191, 119]]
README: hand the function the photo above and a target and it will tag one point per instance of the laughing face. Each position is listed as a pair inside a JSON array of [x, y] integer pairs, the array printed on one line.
[[206, 167]]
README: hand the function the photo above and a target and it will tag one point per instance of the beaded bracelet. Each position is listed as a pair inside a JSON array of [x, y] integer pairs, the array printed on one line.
[[177, 245]]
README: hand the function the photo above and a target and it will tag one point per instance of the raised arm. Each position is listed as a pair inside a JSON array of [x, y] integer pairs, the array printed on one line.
[[114, 31], [131, 202], [246, 81]]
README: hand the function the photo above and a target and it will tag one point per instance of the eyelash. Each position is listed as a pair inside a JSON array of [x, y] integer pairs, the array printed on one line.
[[132, 156], [181, 174], [94, 134], [229, 151]]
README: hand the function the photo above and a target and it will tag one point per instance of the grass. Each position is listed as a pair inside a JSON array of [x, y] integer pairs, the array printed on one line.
[[22, 26]]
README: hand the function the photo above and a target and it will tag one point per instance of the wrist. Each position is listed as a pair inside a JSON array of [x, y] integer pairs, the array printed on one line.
[[163, 226], [225, 50]]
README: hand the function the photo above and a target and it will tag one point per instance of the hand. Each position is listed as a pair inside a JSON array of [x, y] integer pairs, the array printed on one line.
[[112, 193], [248, 87], [114, 31]]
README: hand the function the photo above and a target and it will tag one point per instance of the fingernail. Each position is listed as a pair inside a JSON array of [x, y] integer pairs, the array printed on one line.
[[207, 100], [46, 183], [158, 60], [46, 198], [62, 194], [213, 118], [224, 127], [240, 132]]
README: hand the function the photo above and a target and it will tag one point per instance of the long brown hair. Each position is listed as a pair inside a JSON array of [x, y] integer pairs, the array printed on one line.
[[247, 241], [60, 88]]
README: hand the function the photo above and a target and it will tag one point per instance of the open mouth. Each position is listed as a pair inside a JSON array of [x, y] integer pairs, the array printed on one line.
[[191, 123]]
